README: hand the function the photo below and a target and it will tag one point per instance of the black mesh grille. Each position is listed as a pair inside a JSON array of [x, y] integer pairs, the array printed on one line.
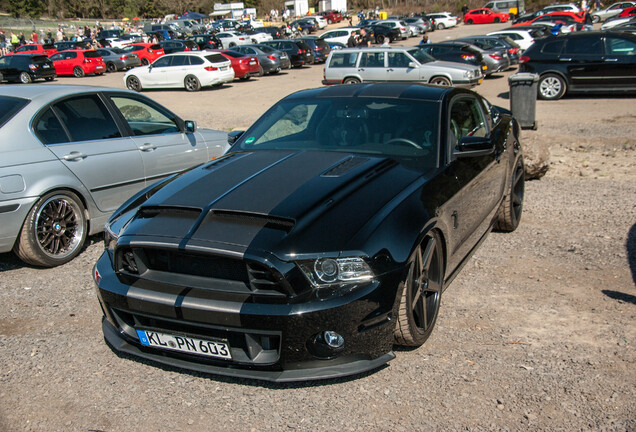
[[195, 265]]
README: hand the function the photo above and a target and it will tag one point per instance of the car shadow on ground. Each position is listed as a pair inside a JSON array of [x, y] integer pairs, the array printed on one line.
[[494, 76], [10, 261], [247, 381], [504, 95], [630, 246], [616, 295]]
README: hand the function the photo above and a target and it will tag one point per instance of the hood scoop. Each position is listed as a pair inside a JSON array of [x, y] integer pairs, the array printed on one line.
[[344, 166], [269, 221], [148, 212]]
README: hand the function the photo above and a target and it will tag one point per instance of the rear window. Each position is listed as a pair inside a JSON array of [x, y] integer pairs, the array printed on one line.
[[321, 43], [215, 58], [91, 54], [10, 106], [340, 60]]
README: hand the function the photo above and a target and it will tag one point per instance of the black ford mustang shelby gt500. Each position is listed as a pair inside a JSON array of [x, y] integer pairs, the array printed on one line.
[[326, 234]]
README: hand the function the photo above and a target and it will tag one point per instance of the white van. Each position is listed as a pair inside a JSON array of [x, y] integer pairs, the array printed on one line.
[[512, 7]]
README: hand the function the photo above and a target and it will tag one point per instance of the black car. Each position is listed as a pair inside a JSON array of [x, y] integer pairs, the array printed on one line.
[[460, 52], [178, 45], [582, 62], [205, 41], [25, 68], [304, 26], [327, 233], [380, 32], [319, 47], [73, 45], [299, 52]]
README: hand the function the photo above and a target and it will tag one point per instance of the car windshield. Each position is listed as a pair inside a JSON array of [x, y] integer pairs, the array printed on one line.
[[10, 106], [419, 55], [266, 48], [366, 125]]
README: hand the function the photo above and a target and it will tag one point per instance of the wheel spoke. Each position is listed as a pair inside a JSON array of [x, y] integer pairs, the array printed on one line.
[[518, 176], [423, 308], [516, 199], [428, 254]]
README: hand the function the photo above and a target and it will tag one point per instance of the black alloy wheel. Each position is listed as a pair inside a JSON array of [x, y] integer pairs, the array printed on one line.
[[421, 294], [54, 231], [110, 67], [509, 213], [145, 62], [133, 83], [78, 72], [469, 21], [497, 19]]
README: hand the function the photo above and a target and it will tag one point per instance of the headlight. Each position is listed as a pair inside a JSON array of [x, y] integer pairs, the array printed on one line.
[[469, 74], [110, 238], [329, 271]]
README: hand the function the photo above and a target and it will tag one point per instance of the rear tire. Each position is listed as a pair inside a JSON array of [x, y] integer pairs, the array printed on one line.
[[441, 26], [509, 214], [78, 72], [380, 39], [54, 230], [421, 293], [133, 83], [25, 78], [551, 87], [469, 21], [145, 61], [245, 77], [191, 83], [110, 67], [351, 80]]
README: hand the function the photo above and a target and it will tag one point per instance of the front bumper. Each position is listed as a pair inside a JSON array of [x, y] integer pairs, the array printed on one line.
[[268, 341]]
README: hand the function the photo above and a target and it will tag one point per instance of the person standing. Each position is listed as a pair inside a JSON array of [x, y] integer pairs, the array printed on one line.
[[34, 37], [365, 38], [352, 42], [464, 12]]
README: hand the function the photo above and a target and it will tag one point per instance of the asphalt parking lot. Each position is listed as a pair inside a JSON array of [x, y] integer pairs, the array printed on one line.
[[537, 332]]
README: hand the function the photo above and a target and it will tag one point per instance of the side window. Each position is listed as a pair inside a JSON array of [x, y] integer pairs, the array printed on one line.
[[616, 46], [195, 60], [584, 46], [372, 59], [489, 5], [71, 55], [180, 60], [49, 129], [143, 118], [162, 62], [466, 119], [553, 47], [339, 60], [398, 60], [85, 118]]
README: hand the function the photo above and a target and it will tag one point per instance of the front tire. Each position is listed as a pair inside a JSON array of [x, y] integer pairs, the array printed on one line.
[[78, 72], [25, 78], [54, 231], [133, 83], [596, 19], [551, 87], [497, 20], [441, 81], [509, 214], [421, 294], [191, 83]]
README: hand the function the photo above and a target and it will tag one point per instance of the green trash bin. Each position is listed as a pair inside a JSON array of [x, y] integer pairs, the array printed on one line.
[[523, 98]]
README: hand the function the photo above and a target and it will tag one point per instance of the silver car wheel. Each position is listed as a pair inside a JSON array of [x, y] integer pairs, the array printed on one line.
[[551, 87], [59, 226]]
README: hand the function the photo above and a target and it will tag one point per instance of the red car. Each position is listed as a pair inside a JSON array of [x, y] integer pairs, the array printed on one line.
[[244, 66], [565, 17], [332, 16], [485, 16], [630, 11], [78, 63], [47, 50], [147, 52]]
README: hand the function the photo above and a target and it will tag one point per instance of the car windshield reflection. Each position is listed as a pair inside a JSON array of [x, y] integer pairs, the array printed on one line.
[[388, 127]]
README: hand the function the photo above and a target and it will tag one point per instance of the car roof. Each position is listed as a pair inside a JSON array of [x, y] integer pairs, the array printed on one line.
[[379, 90], [54, 91]]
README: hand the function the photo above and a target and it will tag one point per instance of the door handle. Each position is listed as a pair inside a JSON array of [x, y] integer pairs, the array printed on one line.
[[74, 156], [565, 59], [611, 59], [147, 147]]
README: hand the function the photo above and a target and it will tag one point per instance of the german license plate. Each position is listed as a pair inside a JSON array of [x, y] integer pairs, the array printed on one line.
[[216, 349], [99, 67], [223, 68]]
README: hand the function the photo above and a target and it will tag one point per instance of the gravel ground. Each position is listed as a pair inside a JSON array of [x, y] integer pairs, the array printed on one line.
[[536, 333]]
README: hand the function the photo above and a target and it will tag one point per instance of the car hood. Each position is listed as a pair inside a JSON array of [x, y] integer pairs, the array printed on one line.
[[288, 203], [451, 65]]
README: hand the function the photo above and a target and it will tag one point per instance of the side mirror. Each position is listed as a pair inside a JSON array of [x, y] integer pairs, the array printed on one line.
[[190, 126], [412, 65], [471, 146], [233, 136], [149, 68]]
